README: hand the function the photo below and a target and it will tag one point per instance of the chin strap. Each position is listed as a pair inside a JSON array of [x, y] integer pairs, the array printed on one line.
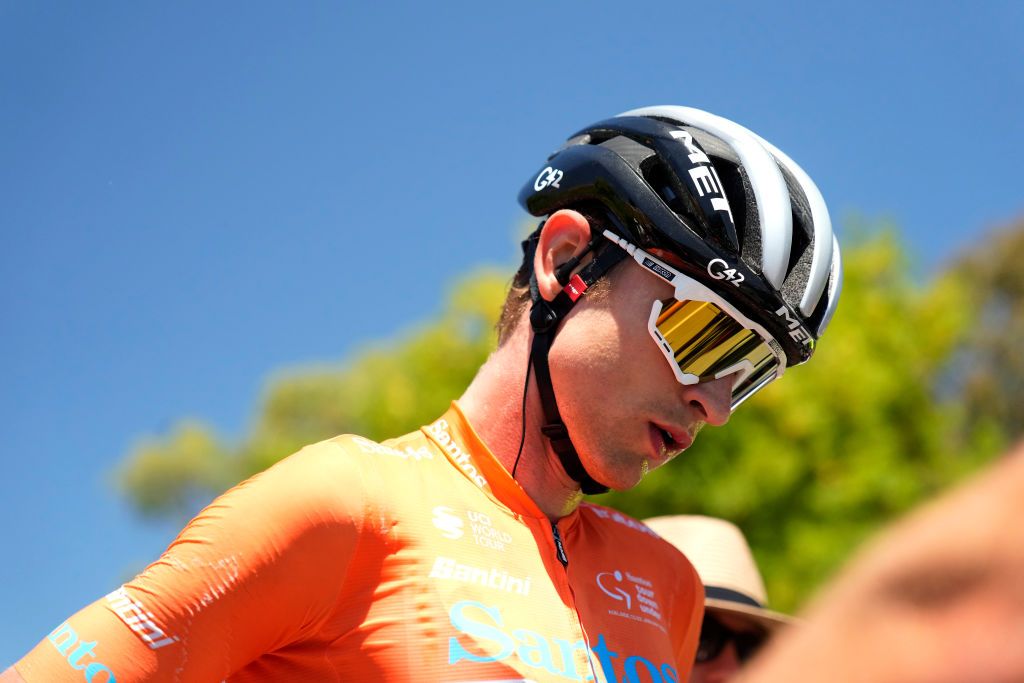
[[545, 317]]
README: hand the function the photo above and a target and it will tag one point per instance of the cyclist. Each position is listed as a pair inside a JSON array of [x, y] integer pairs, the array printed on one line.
[[682, 264]]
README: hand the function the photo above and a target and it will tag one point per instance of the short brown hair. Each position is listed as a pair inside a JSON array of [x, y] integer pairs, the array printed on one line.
[[516, 302]]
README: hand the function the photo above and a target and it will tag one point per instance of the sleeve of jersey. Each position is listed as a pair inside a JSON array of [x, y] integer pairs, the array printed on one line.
[[260, 568], [690, 608]]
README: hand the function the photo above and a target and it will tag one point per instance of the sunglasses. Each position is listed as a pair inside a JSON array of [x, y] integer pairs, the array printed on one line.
[[714, 636], [703, 337]]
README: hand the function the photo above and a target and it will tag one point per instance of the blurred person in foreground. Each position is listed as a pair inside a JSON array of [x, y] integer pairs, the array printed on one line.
[[737, 621], [938, 598], [682, 264]]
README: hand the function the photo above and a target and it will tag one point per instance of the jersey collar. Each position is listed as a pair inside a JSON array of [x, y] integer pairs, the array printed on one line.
[[455, 437]]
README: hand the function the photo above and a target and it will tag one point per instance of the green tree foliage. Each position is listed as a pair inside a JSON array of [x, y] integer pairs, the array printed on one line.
[[807, 468], [989, 372]]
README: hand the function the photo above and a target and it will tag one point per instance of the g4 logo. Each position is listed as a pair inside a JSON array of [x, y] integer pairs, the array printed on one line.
[[720, 270], [549, 176]]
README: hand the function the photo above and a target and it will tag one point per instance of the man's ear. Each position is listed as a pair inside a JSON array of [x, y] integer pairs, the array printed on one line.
[[565, 234]]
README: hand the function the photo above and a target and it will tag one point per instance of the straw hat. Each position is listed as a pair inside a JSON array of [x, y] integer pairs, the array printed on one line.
[[720, 554]]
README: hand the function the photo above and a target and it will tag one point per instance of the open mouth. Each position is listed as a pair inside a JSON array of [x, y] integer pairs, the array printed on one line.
[[670, 445]]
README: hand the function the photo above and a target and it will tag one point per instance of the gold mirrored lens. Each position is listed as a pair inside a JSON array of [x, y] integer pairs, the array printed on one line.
[[709, 343], [747, 386]]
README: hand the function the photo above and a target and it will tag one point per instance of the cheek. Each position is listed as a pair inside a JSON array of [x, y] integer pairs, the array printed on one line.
[[644, 354], [633, 317], [594, 343], [596, 372], [606, 350]]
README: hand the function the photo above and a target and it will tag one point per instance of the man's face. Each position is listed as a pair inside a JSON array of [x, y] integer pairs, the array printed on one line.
[[625, 411], [733, 636]]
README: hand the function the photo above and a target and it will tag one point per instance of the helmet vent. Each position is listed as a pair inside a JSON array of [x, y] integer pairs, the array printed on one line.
[[801, 254], [633, 152], [667, 186], [745, 214]]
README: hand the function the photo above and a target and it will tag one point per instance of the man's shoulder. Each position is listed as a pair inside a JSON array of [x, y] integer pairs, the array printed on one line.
[[629, 551], [412, 447], [630, 532], [325, 490], [348, 452], [617, 522], [344, 473]]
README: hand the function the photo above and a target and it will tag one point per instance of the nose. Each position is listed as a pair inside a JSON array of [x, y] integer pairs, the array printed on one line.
[[712, 400]]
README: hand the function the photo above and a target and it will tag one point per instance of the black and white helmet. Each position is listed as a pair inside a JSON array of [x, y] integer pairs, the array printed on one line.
[[744, 219], [710, 191]]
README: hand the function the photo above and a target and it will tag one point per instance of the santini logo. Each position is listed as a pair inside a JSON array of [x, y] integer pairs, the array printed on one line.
[[135, 617], [449, 569]]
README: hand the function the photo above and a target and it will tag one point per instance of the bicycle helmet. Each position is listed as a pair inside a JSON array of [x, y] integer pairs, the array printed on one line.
[[747, 222]]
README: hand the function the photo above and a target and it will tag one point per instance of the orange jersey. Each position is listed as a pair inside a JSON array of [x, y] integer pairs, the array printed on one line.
[[415, 559]]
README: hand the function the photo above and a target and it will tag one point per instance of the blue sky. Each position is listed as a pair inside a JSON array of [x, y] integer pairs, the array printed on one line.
[[195, 195]]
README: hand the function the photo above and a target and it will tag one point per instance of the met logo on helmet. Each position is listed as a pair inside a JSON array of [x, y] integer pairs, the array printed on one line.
[[796, 331], [703, 175], [549, 176]]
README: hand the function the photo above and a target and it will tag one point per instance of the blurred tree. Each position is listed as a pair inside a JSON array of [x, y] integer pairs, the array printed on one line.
[[989, 370], [807, 468]]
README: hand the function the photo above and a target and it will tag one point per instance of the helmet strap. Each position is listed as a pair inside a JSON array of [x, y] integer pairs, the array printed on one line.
[[545, 317]]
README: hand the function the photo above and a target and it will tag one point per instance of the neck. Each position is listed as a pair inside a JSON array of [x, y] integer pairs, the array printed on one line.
[[493, 403]]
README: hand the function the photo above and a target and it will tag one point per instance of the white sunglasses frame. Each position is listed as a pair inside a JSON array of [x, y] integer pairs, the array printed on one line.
[[688, 289]]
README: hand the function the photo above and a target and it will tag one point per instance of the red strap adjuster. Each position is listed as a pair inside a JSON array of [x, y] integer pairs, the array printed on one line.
[[575, 288]]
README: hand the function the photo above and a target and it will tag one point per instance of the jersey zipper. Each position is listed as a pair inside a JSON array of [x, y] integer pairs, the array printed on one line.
[[564, 559], [559, 548]]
